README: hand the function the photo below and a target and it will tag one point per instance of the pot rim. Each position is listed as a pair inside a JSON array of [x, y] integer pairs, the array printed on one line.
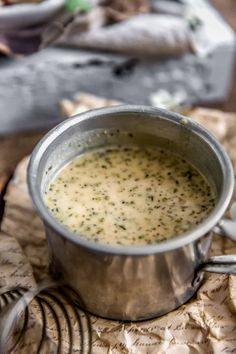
[[168, 245]]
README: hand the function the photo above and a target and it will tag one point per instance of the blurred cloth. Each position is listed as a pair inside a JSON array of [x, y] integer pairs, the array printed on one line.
[[123, 27], [142, 35], [28, 40], [129, 27], [137, 28], [144, 28]]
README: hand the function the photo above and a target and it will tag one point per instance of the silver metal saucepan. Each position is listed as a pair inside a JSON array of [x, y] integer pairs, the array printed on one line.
[[134, 283]]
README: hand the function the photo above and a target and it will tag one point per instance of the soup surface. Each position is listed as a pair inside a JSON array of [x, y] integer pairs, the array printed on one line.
[[129, 195]]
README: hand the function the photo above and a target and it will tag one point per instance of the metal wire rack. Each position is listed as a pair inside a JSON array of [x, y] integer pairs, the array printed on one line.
[[52, 312]]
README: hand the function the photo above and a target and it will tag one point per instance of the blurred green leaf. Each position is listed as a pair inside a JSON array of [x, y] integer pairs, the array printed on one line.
[[73, 5]]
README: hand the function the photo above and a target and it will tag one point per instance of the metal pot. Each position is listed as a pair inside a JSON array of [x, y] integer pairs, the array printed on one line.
[[134, 283]]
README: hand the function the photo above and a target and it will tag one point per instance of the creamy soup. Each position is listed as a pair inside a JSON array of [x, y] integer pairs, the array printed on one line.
[[129, 196]]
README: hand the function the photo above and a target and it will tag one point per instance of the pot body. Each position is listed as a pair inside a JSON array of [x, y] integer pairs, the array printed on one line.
[[128, 287], [130, 283]]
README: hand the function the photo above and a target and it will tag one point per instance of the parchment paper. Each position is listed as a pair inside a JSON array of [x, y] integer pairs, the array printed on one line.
[[205, 325]]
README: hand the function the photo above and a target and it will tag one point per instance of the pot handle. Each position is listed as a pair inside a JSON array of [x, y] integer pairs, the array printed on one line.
[[220, 264], [226, 227], [227, 263]]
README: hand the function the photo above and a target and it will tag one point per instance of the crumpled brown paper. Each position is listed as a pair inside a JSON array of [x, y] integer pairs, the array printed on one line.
[[204, 325]]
